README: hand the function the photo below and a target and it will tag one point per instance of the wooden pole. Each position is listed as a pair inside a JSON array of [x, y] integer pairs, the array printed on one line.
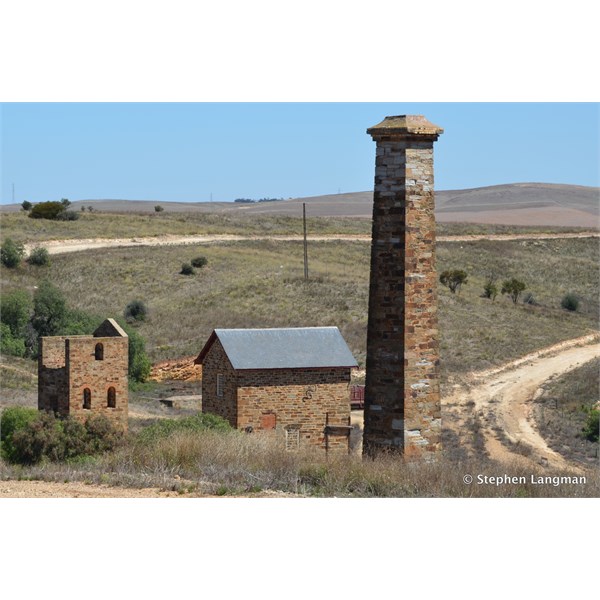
[[305, 242]]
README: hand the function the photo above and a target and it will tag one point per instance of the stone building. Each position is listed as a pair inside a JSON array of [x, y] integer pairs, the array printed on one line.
[[402, 396], [292, 382], [83, 375]]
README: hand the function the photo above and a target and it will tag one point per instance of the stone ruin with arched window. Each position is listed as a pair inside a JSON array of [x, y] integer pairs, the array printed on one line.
[[84, 375]]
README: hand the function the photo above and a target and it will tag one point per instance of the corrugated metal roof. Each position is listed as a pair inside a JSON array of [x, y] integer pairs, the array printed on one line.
[[289, 348]]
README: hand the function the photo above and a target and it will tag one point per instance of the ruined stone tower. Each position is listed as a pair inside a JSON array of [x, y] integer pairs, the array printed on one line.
[[402, 397]]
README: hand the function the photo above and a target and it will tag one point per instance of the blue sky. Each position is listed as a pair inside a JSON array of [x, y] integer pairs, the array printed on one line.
[[190, 151]]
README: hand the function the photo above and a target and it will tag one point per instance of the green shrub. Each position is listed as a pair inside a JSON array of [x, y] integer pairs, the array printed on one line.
[[13, 419], [11, 253], [15, 310], [199, 261], [570, 302], [136, 310], [490, 290], [513, 287], [453, 279], [49, 310], [139, 363], [187, 269], [158, 208], [529, 298], [68, 215], [26, 205], [47, 210], [591, 429], [9, 344], [39, 257], [45, 436], [166, 427]]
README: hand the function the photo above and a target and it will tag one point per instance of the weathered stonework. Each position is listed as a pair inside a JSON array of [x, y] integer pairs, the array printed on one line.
[[85, 375], [300, 406], [402, 397]]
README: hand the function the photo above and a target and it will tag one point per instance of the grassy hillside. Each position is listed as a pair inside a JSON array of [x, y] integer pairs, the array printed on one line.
[[260, 284], [134, 225]]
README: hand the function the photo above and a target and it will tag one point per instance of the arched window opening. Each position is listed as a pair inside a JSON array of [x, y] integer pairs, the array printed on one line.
[[87, 398], [111, 398], [99, 352]]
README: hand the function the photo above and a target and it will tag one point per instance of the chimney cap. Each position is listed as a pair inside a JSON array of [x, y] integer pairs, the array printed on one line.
[[404, 125]]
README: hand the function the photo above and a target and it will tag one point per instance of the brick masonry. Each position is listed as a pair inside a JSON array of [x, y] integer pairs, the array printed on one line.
[[70, 365], [279, 402], [402, 397]]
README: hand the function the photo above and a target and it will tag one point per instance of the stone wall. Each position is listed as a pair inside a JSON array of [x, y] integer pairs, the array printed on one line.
[[302, 400], [85, 371], [216, 363], [53, 388], [294, 404], [402, 398], [67, 365]]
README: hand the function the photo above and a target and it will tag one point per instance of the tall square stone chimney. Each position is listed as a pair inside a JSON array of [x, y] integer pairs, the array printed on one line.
[[402, 396]]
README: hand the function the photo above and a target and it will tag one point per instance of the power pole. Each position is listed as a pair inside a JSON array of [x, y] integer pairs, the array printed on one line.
[[305, 242]]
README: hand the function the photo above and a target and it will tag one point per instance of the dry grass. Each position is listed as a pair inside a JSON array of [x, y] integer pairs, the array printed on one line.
[[235, 463], [133, 225], [260, 284], [560, 412]]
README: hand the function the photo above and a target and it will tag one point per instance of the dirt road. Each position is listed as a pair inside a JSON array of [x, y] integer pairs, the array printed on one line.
[[503, 397], [66, 246]]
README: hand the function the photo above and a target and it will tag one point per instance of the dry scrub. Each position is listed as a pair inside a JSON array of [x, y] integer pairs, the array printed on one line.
[[234, 463]]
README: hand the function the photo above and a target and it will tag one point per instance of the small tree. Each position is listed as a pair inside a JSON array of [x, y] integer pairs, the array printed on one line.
[[90, 208], [49, 310], [11, 253], [47, 210], [15, 310], [570, 302], [453, 279], [26, 205], [65, 202], [158, 208], [513, 287], [591, 429], [39, 257], [136, 310]]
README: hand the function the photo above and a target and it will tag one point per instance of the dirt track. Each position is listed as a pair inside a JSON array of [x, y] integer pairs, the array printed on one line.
[[66, 246], [503, 399]]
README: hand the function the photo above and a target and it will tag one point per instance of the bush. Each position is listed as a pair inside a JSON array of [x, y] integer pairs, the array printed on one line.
[[49, 310], [44, 436], [136, 310], [490, 290], [15, 310], [68, 215], [139, 363], [13, 419], [9, 344], [529, 298], [158, 208], [39, 257], [11, 253], [199, 261], [453, 279], [166, 427], [187, 269], [591, 429], [47, 210], [513, 287], [26, 205], [570, 302]]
